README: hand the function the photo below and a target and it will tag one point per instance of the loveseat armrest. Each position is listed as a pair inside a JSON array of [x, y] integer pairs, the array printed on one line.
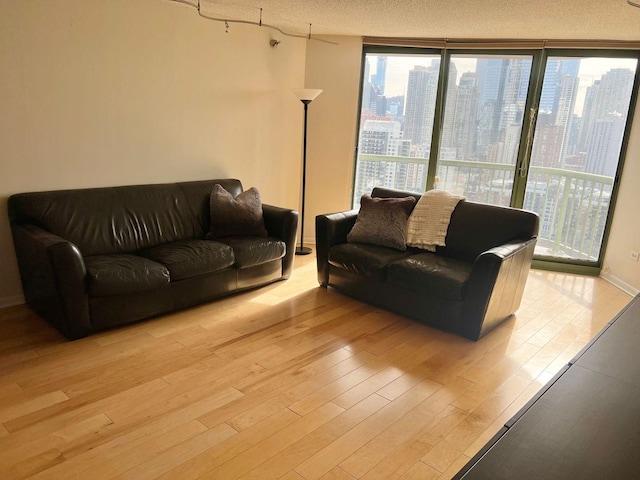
[[282, 223], [331, 229], [496, 286], [53, 272]]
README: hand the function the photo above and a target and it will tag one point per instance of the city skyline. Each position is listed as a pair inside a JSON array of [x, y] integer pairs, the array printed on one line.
[[395, 80], [576, 142]]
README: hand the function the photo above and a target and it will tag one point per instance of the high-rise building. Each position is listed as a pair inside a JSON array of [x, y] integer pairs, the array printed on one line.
[[492, 83], [604, 146], [556, 68], [447, 138], [420, 103], [395, 106], [608, 108], [502, 94], [379, 79], [376, 135], [465, 123], [366, 85], [567, 92]]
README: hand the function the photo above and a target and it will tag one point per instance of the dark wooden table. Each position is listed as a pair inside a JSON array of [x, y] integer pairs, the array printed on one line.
[[584, 424]]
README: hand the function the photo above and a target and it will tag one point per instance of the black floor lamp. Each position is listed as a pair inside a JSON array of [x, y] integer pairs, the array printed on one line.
[[306, 96]]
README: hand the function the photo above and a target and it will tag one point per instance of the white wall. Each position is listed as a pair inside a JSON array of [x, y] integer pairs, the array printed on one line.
[[625, 229], [332, 126], [116, 92]]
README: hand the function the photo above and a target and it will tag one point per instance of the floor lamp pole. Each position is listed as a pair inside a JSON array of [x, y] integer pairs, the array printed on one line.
[[306, 96], [302, 250]]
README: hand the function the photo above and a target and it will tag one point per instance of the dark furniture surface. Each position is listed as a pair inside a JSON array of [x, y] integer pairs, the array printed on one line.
[[584, 424], [96, 258], [467, 287]]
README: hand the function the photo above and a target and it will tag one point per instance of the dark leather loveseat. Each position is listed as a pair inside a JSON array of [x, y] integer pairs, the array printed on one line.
[[467, 287], [95, 258]]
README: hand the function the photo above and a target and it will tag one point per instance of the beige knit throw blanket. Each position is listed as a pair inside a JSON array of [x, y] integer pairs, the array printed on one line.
[[429, 221]]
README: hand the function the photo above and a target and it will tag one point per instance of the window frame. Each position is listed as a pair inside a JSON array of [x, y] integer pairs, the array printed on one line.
[[539, 57]]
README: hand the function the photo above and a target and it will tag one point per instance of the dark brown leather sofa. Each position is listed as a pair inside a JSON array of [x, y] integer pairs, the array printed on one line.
[[96, 258], [467, 287]]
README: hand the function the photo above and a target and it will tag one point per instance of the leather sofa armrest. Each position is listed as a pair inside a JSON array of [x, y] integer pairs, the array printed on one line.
[[331, 229], [53, 272], [282, 223], [496, 285]]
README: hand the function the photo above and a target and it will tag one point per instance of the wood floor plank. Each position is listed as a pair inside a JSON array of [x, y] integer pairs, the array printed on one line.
[[121, 454], [69, 434], [420, 471], [33, 465], [395, 463], [264, 450], [10, 412], [180, 453], [290, 381], [335, 474], [214, 457], [389, 440], [298, 452], [336, 452], [288, 389]]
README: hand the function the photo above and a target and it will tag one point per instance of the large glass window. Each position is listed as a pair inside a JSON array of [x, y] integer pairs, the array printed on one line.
[[531, 129], [581, 122], [483, 117], [396, 122]]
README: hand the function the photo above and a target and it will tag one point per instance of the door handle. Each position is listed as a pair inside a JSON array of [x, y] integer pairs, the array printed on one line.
[[524, 168]]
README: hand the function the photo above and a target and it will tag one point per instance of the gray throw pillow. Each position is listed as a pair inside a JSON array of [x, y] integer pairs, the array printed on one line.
[[382, 221], [241, 215]]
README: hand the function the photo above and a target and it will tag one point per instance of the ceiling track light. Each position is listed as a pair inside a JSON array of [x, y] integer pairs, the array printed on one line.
[[259, 23]]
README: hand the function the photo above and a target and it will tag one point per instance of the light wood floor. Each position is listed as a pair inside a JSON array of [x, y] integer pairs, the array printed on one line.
[[290, 381]]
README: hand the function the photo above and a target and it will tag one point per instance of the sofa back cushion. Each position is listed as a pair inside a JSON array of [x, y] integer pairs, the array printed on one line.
[[478, 227], [121, 219]]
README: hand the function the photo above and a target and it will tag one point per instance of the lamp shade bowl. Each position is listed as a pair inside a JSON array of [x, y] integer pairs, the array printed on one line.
[[307, 94]]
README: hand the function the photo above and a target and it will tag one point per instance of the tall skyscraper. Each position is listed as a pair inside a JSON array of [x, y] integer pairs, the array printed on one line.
[[566, 94], [447, 137], [502, 93], [604, 145], [422, 87], [465, 124], [608, 109], [556, 68], [366, 85], [379, 79]]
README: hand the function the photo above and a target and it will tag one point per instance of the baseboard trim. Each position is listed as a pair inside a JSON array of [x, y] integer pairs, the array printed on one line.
[[621, 284], [11, 301]]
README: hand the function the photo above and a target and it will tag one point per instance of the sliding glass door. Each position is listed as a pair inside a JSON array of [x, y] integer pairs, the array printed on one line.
[[536, 129], [483, 119], [579, 132]]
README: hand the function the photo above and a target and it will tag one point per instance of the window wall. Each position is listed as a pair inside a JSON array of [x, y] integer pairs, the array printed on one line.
[[543, 130]]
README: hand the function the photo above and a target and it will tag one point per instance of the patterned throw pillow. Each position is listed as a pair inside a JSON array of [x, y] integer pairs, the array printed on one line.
[[241, 215], [382, 221]]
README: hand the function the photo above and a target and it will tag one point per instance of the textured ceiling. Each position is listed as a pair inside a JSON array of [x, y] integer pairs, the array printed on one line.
[[539, 19]]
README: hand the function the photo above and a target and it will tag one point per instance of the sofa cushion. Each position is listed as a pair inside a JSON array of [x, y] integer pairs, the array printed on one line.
[[431, 274], [382, 221], [119, 274], [368, 260], [241, 215], [476, 228], [191, 258], [251, 251]]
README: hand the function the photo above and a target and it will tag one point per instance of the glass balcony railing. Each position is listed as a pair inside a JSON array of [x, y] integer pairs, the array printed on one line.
[[572, 205]]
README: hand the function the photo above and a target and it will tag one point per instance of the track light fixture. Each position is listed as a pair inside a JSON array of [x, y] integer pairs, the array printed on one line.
[[259, 23]]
